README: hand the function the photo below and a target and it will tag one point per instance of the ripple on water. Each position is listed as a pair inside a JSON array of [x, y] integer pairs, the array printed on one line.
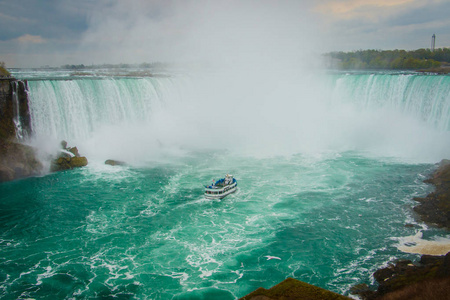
[[130, 232]]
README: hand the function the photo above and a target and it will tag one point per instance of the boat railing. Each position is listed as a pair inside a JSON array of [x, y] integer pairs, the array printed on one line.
[[215, 187]]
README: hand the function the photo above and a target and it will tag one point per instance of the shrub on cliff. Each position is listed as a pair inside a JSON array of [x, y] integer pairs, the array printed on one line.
[[3, 71]]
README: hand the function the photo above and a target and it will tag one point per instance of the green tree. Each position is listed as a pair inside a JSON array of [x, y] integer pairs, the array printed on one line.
[[392, 59]]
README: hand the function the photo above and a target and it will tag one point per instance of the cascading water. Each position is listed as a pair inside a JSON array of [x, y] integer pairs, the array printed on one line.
[[426, 98], [16, 110], [75, 108], [388, 114], [99, 115]]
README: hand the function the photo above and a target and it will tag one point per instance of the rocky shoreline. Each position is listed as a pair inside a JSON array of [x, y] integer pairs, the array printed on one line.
[[434, 209], [404, 279], [429, 278]]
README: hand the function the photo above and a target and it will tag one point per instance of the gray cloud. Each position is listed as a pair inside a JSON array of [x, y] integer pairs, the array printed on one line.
[[421, 15], [401, 27], [50, 19], [34, 32]]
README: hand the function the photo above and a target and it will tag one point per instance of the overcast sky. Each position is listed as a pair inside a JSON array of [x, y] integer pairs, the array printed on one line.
[[35, 33]]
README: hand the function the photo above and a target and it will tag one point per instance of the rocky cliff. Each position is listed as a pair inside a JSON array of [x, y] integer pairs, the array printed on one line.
[[435, 207], [16, 159], [14, 110]]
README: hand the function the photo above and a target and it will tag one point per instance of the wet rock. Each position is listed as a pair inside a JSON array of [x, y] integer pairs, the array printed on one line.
[[404, 274], [9, 107], [74, 151], [435, 207], [362, 290], [69, 158], [18, 161], [67, 163], [112, 162], [444, 269], [6, 174]]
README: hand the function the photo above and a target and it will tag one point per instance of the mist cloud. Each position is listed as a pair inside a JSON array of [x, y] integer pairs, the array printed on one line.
[[201, 31]]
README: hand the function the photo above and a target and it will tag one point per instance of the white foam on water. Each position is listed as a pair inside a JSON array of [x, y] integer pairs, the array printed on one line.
[[416, 244]]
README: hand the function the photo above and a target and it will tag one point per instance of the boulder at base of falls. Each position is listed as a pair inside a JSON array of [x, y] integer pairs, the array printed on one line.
[[113, 162], [67, 163], [69, 158]]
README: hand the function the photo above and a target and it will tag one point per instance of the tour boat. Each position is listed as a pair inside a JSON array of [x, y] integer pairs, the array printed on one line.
[[221, 188]]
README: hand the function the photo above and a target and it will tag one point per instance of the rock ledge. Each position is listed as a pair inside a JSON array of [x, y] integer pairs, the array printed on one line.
[[293, 289]]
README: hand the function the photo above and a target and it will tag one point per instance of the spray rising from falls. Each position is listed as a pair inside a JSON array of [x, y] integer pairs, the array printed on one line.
[[406, 116]]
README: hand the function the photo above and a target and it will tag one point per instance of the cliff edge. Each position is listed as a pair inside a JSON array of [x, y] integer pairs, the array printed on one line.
[[293, 289], [435, 207], [16, 159]]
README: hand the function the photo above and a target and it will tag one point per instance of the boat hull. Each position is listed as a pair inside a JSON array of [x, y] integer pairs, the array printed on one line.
[[220, 193]]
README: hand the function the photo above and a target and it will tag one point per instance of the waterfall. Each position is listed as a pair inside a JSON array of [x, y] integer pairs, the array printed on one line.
[[16, 110], [74, 109], [404, 115], [424, 97]]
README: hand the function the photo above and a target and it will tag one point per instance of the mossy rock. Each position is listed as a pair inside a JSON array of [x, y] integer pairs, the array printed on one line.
[[77, 162], [67, 163], [74, 151], [293, 289]]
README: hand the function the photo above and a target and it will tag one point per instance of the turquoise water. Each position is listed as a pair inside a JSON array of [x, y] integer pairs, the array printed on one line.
[[326, 171], [148, 233]]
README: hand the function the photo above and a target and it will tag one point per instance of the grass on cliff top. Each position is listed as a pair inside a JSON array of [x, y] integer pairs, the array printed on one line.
[[294, 289], [3, 71]]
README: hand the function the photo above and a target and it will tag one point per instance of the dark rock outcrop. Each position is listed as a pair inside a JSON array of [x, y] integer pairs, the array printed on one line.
[[404, 275], [293, 289], [435, 207], [68, 159], [14, 107], [18, 161], [113, 162], [67, 163]]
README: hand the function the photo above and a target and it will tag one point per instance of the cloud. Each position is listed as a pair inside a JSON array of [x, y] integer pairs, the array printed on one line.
[[219, 31], [230, 32], [32, 39], [396, 24], [49, 19], [350, 9]]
